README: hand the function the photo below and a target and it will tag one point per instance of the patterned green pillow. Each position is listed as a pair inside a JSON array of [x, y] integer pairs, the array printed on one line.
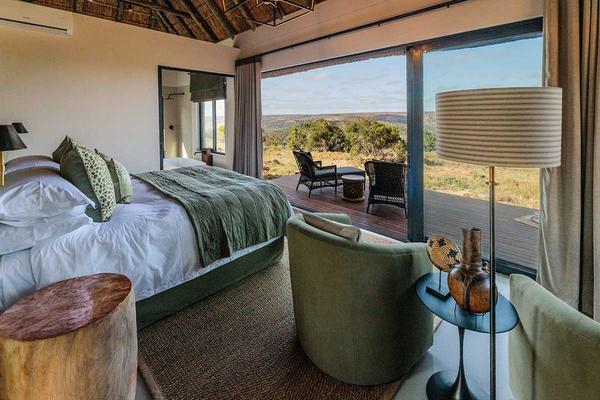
[[120, 177], [63, 148], [89, 173]]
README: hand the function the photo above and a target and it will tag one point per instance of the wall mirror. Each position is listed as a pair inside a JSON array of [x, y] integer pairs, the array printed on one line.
[[196, 118]]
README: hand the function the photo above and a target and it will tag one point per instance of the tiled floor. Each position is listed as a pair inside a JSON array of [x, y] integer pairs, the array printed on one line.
[[443, 355]]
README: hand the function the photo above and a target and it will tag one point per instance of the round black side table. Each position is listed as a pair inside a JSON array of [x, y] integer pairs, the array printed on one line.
[[443, 385]]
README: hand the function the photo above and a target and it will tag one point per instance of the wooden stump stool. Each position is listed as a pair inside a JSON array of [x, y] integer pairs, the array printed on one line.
[[75, 339]]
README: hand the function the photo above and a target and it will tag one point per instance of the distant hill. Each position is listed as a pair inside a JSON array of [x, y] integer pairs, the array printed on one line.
[[280, 124]]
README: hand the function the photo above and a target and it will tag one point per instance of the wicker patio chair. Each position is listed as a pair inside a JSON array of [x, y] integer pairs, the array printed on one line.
[[314, 175], [387, 184]]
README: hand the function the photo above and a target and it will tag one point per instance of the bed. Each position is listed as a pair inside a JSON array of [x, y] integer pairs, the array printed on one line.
[[153, 241]]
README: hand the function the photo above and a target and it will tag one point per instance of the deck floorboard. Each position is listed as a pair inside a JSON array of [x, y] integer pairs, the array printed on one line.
[[445, 214]]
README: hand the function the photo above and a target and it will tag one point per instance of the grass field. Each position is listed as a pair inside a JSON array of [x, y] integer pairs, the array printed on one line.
[[519, 187]]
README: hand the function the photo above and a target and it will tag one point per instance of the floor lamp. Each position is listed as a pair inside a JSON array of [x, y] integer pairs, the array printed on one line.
[[503, 127]]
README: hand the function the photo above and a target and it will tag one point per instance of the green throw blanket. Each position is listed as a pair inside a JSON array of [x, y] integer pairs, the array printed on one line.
[[229, 211]]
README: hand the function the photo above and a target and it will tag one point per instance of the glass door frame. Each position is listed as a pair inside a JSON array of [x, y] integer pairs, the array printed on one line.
[[415, 86]]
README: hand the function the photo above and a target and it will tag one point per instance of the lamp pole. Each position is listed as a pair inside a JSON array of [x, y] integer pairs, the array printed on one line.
[[492, 201], [1, 168]]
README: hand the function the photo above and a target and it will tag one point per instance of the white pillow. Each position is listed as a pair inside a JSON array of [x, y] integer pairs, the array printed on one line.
[[36, 193], [20, 163], [13, 239]]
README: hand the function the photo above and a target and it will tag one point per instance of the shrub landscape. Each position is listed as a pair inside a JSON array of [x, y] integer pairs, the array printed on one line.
[[350, 140]]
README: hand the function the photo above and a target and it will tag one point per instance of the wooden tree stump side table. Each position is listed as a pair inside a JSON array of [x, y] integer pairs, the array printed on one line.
[[75, 339], [354, 188]]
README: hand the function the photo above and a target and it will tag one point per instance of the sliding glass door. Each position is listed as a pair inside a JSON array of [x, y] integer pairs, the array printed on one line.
[[456, 194], [345, 113], [381, 105]]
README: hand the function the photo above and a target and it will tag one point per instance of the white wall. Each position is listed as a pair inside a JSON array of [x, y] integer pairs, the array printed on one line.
[[337, 15], [174, 78], [170, 118], [187, 120], [99, 85]]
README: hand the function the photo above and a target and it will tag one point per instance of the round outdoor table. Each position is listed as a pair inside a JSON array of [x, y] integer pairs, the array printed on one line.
[[354, 188], [443, 384]]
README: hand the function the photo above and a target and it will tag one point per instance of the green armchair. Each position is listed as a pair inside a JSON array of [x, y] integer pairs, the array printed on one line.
[[554, 352], [357, 314]]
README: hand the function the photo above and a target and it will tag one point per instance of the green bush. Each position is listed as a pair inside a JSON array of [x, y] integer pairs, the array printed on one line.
[[277, 138], [298, 137], [429, 140], [366, 137], [376, 139], [318, 135]]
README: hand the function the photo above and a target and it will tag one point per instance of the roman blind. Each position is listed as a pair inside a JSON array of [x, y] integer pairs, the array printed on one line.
[[207, 87]]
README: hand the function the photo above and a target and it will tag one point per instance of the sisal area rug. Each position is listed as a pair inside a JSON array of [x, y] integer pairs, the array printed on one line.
[[240, 344]]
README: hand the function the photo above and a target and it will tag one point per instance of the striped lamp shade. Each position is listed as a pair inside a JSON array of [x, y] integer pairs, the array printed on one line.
[[504, 127]]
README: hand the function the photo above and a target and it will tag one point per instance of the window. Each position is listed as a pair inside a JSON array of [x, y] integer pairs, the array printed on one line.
[[212, 125], [220, 123]]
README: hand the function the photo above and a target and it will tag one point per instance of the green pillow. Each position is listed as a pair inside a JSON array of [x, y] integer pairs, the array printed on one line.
[[89, 173], [349, 232], [63, 148], [120, 178]]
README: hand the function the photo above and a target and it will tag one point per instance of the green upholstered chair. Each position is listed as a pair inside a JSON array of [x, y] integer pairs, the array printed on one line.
[[554, 352], [357, 314]]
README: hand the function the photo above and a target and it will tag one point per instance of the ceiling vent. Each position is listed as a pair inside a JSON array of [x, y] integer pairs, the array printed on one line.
[[33, 17]]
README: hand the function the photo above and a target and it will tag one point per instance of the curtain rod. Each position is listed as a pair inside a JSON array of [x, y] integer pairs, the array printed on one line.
[[445, 4]]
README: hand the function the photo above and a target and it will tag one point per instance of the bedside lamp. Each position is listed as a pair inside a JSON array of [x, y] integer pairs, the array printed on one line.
[[9, 141], [19, 127]]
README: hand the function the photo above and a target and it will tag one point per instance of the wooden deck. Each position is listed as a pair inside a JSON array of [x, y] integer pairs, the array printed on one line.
[[444, 215]]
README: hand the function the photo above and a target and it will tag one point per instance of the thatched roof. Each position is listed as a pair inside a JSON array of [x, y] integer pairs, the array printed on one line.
[[198, 19]]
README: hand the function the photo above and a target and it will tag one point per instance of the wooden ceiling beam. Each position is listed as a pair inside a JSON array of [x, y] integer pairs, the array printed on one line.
[[157, 7], [156, 21], [186, 28], [220, 16], [179, 19], [197, 18], [163, 19], [120, 10], [168, 27], [78, 7], [189, 27], [246, 14], [153, 22], [182, 21]]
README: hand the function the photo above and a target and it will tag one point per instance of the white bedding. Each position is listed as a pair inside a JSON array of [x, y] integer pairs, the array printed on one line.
[[151, 241]]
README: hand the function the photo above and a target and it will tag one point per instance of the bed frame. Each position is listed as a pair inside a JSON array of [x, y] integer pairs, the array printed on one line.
[[165, 303]]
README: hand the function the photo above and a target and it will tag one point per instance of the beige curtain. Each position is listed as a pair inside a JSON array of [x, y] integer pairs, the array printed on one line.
[[248, 150], [570, 208]]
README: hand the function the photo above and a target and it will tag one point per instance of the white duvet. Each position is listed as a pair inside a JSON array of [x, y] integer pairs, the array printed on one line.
[[151, 241]]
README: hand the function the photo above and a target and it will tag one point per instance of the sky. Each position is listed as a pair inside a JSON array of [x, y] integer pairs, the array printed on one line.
[[379, 85]]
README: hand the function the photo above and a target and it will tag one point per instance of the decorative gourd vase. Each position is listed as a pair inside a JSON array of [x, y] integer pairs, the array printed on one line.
[[469, 282]]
